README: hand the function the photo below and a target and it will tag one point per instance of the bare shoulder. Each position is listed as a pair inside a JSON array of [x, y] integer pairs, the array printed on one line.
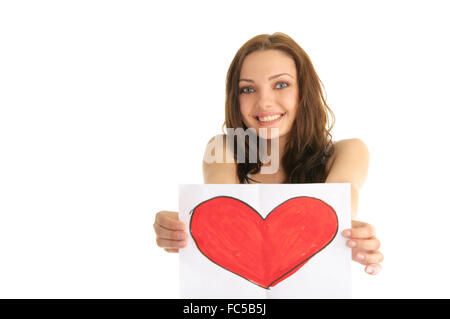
[[219, 166], [349, 162], [355, 146]]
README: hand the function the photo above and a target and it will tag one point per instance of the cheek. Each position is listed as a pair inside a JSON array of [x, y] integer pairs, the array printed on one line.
[[290, 101], [245, 109], [244, 106], [291, 106]]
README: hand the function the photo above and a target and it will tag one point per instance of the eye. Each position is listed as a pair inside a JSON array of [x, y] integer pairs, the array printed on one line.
[[283, 83], [246, 90]]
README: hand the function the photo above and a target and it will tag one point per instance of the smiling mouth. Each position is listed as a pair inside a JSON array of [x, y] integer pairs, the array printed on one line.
[[268, 120]]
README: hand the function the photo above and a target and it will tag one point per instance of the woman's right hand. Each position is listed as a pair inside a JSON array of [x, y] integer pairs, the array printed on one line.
[[170, 232]]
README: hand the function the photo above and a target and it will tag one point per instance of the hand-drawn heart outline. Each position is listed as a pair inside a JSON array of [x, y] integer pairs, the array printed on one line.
[[324, 220]]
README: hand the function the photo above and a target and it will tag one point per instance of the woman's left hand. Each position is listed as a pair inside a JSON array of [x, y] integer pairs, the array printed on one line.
[[364, 246]]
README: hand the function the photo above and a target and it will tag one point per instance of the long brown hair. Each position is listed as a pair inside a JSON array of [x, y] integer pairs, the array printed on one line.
[[309, 143]]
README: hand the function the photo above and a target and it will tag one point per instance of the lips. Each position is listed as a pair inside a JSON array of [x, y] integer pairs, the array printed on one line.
[[271, 118]]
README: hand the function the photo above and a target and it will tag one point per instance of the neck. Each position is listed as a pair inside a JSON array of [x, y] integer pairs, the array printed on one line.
[[272, 168], [274, 152], [281, 146]]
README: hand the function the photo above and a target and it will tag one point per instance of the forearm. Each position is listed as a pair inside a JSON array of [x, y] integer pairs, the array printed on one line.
[[354, 195], [350, 165], [354, 200]]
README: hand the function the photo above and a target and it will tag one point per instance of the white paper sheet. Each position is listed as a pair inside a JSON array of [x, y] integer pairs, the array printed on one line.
[[327, 274]]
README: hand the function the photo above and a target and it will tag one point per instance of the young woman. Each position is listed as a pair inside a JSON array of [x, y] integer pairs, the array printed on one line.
[[271, 83]]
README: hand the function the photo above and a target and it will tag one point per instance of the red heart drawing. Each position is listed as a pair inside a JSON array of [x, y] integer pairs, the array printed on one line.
[[264, 251]]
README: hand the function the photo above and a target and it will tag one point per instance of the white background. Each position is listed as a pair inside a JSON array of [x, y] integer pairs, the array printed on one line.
[[106, 106]]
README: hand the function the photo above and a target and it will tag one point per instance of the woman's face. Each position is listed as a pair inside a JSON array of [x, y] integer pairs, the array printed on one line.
[[268, 91]]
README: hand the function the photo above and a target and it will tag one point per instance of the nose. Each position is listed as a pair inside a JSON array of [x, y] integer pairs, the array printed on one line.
[[265, 99]]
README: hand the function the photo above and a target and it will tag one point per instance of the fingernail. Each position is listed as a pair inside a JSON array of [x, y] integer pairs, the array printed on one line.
[[360, 257], [347, 233], [182, 243], [370, 270], [351, 243]]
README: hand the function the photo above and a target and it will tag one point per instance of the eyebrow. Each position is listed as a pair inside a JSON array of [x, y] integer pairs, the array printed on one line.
[[270, 78]]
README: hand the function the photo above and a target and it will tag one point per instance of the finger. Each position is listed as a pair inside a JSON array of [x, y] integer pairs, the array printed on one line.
[[169, 222], [364, 244], [365, 231], [366, 258], [171, 250], [373, 269], [170, 244], [356, 223], [169, 234]]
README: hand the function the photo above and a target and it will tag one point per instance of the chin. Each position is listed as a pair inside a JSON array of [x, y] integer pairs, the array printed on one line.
[[270, 133]]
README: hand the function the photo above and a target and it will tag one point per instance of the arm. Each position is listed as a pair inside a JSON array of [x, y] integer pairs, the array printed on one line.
[[350, 164], [170, 232], [219, 171]]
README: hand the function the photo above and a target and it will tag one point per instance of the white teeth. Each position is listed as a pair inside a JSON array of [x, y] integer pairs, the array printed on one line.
[[269, 118]]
